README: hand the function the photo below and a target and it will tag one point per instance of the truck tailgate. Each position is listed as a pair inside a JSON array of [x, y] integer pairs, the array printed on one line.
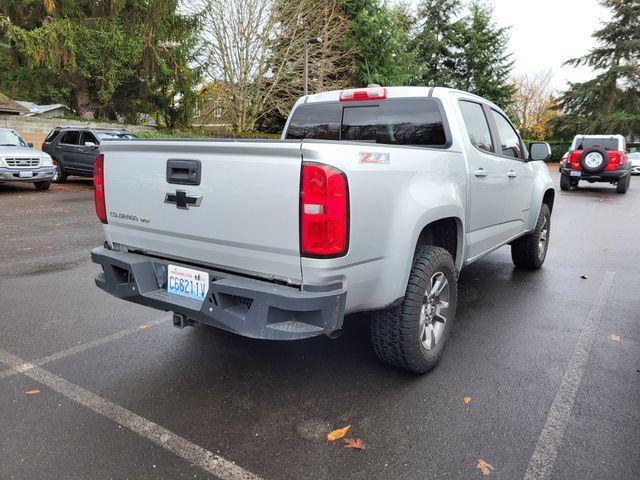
[[247, 218]]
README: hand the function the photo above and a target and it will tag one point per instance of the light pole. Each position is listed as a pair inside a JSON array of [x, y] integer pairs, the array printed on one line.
[[305, 72]]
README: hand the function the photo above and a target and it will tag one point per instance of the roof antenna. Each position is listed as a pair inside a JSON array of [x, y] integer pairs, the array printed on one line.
[[368, 72]]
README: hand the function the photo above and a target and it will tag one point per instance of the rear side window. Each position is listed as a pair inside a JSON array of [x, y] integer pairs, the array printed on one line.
[[510, 145], [51, 136], [401, 121], [71, 137], [477, 125]]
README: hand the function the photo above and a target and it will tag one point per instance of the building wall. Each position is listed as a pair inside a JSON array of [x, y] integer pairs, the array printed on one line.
[[36, 129]]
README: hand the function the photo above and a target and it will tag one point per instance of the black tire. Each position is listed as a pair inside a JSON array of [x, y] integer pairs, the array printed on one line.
[[530, 251], [42, 185], [399, 332], [595, 152], [623, 184], [565, 182], [60, 176]]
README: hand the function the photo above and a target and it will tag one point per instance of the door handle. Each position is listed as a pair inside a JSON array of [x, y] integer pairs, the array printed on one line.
[[481, 172], [511, 174]]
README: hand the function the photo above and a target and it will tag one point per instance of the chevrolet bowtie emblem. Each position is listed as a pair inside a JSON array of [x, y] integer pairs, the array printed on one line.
[[182, 200]]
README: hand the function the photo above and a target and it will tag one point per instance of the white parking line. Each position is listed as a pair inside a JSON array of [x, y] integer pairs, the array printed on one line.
[[544, 456], [166, 439], [80, 348]]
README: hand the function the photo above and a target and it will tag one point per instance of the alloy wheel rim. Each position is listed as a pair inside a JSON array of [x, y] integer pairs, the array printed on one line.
[[544, 236], [434, 310], [56, 172]]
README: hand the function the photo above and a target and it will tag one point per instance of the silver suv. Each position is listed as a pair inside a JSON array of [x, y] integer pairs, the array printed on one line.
[[21, 163]]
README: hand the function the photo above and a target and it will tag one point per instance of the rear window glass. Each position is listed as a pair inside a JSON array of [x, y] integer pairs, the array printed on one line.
[[402, 121], [607, 143], [51, 136]]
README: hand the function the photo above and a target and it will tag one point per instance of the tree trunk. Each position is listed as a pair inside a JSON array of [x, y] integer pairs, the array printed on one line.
[[82, 100]]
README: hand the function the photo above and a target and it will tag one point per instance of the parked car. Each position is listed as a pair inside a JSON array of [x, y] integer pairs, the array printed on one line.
[[373, 200], [563, 161], [634, 159], [74, 149], [19, 162], [597, 158]]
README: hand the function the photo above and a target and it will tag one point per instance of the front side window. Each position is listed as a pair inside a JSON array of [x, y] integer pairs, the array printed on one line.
[[510, 144], [89, 137], [477, 125], [71, 137]]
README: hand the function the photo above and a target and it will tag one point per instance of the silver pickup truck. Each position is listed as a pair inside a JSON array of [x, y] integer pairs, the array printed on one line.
[[373, 200]]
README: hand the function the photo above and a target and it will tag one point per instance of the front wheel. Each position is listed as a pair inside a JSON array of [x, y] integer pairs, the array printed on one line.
[[529, 251], [412, 334], [42, 185]]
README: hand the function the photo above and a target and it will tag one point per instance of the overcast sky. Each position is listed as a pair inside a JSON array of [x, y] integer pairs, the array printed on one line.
[[546, 33]]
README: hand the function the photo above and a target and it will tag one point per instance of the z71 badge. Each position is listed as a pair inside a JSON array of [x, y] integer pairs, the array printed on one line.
[[374, 157]]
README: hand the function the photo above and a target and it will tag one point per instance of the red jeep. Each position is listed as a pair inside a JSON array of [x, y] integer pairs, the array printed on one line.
[[596, 158]]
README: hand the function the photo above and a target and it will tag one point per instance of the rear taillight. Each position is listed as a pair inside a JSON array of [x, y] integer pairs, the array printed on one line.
[[377, 93], [98, 188], [324, 211]]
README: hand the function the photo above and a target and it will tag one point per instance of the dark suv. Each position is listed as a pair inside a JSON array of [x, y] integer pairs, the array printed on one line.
[[74, 149], [596, 158]]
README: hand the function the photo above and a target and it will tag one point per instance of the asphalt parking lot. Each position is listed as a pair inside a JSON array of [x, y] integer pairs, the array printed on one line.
[[92, 387]]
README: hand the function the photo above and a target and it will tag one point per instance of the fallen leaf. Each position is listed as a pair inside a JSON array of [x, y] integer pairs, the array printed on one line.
[[144, 326], [584, 277], [466, 400], [338, 433], [615, 338], [484, 467], [354, 443], [605, 249], [32, 392], [26, 249]]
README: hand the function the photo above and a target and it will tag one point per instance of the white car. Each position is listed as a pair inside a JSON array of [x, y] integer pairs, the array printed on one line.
[[19, 162], [634, 158]]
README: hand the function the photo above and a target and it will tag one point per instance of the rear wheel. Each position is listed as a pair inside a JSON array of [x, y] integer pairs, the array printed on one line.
[[42, 185], [565, 182], [412, 334], [623, 184], [59, 175], [530, 250]]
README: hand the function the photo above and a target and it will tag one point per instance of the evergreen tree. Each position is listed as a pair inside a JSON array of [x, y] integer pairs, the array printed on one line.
[[113, 59], [378, 43], [610, 102], [482, 63], [435, 41]]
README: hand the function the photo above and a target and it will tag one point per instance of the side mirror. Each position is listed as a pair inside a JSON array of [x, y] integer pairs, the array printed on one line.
[[539, 151], [30, 144], [89, 144]]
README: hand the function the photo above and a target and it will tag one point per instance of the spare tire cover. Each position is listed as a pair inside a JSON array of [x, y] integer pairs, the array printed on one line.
[[594, 159]]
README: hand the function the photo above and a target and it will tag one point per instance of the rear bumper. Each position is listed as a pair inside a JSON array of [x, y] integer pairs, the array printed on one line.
[[39, 174], [604, 176], [248, 307]]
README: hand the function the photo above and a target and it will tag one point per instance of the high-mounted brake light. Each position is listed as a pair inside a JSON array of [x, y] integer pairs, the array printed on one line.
[[324, 211], [98, 188], [377, 93]]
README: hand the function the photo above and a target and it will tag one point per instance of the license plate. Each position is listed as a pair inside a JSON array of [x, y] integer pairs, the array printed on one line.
[[26, 174], [575, 173], [187, 282]]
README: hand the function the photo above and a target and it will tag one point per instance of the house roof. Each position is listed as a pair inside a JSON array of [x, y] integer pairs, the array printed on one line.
[[9, 106], [34, 109]]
